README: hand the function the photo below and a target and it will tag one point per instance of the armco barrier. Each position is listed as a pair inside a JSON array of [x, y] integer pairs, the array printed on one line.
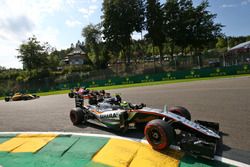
[[172, 75]]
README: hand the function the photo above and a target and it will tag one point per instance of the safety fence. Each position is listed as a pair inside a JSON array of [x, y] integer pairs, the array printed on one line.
[[172, 75]]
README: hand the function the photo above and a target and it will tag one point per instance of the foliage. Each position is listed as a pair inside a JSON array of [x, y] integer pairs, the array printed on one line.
[[54, 60], [92, 34], [190, 27], [33, 55], [204, 29], [69, 69], [2, 68], [9, 74], [233, 41], [154, 24], [171, 22], [120, 19], [184, 24]]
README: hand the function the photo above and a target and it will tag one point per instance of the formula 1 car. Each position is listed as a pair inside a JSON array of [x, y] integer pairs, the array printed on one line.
[[88, 94], [163, 128], [76, 91], [20, 96]]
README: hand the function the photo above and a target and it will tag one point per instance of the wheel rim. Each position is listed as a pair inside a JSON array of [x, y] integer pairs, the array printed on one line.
[[155, 136]]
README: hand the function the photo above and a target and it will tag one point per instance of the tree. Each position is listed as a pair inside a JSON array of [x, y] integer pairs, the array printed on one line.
[[120, 19], [184, 33], [154, 24], [171, 22], [33, 55], [54, 60], [204, 30], [92, 34], [186, 25], [221, 43], [2, 68]]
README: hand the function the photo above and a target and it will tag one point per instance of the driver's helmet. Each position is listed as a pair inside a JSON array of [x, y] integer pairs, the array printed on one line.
[[118, 98], [102, 92], [124, 104], [80, 90]]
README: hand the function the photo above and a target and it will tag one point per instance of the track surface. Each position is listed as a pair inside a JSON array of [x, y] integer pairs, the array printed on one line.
[[226, 101]]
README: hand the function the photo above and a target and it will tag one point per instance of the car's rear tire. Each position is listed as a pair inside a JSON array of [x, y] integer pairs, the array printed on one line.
[[71, 95], [159, 134], [77, 116], [27, 97], [181, 111]]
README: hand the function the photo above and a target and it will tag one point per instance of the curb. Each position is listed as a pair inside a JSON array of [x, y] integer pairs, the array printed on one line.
[[73, 149]]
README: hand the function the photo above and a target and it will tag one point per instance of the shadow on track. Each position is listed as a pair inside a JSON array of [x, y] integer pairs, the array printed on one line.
[[131, 133]]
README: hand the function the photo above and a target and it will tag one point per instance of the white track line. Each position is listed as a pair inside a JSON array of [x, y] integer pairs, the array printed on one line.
[[230, 161], [218, 158]]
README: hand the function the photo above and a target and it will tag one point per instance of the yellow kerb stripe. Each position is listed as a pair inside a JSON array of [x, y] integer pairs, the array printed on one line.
[[26, 142], [117, 152], [121, 153], [147, 157]]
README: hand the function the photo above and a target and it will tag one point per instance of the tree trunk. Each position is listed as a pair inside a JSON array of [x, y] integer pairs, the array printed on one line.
[[161, 56], [194, 60], [154, 59], [128, 55], [97, 63], [172, 51]]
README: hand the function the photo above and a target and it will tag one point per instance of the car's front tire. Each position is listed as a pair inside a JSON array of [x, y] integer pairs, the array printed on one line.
[[77, 116], [159, 134], [7, 99], [35, 96]]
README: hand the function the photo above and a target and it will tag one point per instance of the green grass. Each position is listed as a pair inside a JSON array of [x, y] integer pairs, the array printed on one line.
[[141, 84]]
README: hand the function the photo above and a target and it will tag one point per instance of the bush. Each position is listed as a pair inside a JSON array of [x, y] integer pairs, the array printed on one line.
[[80, 68]]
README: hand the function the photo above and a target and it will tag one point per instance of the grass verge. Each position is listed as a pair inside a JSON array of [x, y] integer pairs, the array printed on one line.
[[141, 84]]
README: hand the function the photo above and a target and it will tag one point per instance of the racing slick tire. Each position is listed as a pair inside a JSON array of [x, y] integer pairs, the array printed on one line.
[[181, 111], [71, 94], [7, 99], [36, 96], [28, 97], [77, 116], [159, 134], [25, 98]]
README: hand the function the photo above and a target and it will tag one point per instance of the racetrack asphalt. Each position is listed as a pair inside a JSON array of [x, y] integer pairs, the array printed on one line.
[[225, 101]]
